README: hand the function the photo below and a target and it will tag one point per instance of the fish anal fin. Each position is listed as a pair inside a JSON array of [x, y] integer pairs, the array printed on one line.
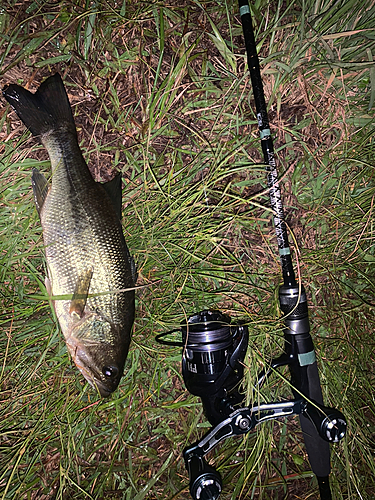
[[114, 191], [79, 299], [40, 189]]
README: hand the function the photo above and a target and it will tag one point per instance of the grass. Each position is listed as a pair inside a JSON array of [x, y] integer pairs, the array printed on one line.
[[161, 93]]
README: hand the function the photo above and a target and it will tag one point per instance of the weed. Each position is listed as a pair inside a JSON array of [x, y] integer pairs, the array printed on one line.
[[161, 93]]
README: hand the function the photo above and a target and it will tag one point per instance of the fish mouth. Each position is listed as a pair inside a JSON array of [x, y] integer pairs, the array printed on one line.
[[97, 378], [93, 378], [97, 384]]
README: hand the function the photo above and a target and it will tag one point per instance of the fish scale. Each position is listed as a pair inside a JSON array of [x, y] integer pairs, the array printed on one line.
[[82, 243], [86, 253]]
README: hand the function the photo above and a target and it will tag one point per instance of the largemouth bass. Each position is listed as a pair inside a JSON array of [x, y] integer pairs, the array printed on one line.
[[87, 257]]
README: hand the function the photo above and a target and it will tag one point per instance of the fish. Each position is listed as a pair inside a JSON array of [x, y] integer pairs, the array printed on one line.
[[91, 274]]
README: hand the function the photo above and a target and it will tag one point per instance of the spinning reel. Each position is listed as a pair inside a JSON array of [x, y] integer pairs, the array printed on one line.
[[214, 350], [212, 368]]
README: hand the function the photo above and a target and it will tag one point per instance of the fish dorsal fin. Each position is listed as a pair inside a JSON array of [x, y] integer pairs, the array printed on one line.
[[133, 269], [78, 302], [114, 191], [40, 188]]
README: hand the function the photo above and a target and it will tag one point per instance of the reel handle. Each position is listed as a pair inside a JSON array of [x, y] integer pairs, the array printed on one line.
[[329, 422]]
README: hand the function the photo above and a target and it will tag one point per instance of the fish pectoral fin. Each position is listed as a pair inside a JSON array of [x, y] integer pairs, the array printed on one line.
[[40, 188], [48, 286], [114, 192], [79, 299]]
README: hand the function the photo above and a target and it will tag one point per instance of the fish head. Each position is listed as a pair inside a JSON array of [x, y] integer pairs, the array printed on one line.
[[98, 352]]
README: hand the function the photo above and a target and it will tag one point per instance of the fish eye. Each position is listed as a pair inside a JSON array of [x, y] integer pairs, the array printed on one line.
[[110, 371]]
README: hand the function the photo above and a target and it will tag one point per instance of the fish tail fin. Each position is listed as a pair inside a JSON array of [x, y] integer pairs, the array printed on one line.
[[46, 110]]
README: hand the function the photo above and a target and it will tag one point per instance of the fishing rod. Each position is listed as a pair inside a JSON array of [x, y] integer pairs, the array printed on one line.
[[299, 349], [214, 350]]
